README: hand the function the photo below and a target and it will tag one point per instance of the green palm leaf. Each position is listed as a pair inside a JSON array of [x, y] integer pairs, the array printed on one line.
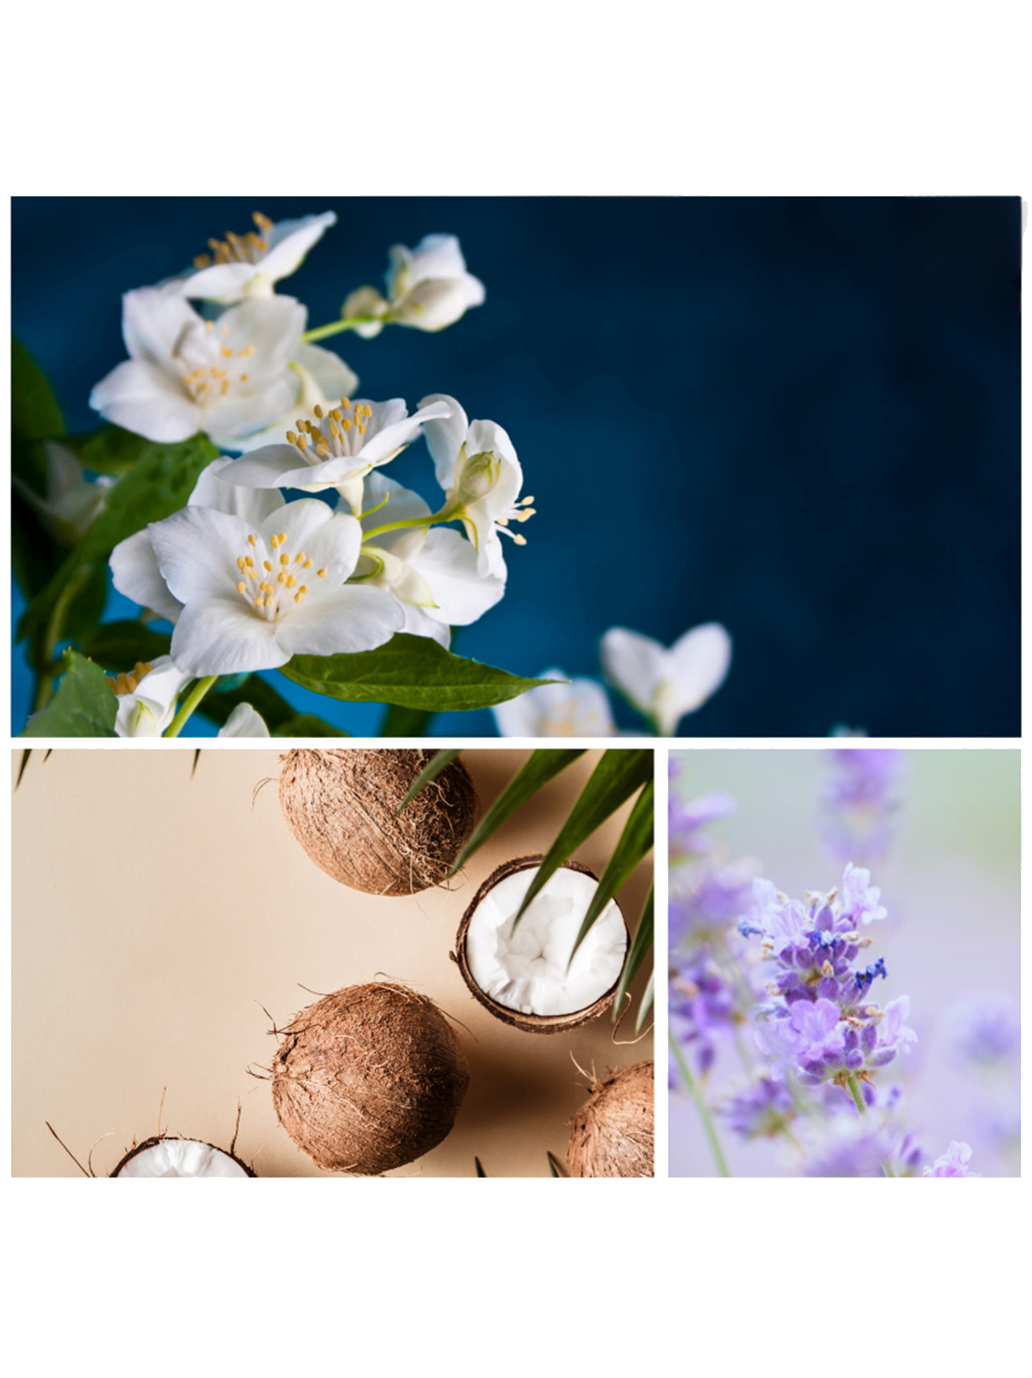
[[641, 945], [480, 1170], [616, 777], [430, 771], [646, 1003], [633, 847], [541, 767]]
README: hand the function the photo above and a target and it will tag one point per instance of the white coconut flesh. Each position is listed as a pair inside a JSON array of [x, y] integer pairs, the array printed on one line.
[[526, 970], [182, 1158]]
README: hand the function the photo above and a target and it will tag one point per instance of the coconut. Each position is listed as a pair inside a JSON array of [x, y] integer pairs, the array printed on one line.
[[369, 1078], [342, 807], [525, 977], [612, 1133], [166, 1155]]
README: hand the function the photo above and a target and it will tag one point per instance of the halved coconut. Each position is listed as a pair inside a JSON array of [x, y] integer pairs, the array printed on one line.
[[525, 977], [167, 1156]]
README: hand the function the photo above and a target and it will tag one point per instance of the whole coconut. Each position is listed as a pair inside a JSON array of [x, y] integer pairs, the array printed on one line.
[[341, 807], [369, 1078], [612, 1134]]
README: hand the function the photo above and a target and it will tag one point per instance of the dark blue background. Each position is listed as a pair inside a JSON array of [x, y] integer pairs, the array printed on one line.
[[798, 417]]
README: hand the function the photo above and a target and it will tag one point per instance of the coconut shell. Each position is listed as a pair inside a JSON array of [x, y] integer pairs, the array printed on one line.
[[369, 1078], [156, 1139], [341, 806], [612, 1134], [530, 1023]]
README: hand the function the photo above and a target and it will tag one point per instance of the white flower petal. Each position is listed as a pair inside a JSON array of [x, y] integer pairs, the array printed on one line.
[[342, 621], [290, 240], [272, 325], [222, 282], [215, 488], [402, 505], [701, 659], [223, 636], [265, 468], [154, 320], [143, 398], [449, 564], [327, 376], [244, 722], [578, 709], [197, 550], [637, 665], [445, 436], [135, 573], [331, 540], [437, 256]]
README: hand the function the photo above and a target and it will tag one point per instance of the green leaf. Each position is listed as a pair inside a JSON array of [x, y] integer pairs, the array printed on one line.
[[306, 725], [405, 722], [641, 946], [35, 555], [82, 706], [109, 450], [35, 414], [616, 777], [480, 1170], [121, 645], [633, 847], [22, 765], [159, 483], [411, 671], [275, 710], [555, 1166], [437, 762], [542, 766], [646, 1003]]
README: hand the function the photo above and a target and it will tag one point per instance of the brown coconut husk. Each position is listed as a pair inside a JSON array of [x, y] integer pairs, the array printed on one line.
[[341, 806], [156, 1139], [369, 1078], [530, 1023], [613, 1133]]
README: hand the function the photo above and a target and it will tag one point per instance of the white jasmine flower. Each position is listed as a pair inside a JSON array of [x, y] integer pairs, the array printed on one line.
[[477, 467], [577, 709], [255, 594], [321, 376], [184, 374], [427, 287], [251, 264], [431, 572], [134, 565], [663, 684], [335, 448], [72, 503], [147, 703], [147, 697]]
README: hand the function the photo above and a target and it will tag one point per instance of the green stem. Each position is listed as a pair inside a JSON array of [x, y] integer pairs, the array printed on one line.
[[409, 522], [322, 332], [700, 1105], [188, 705], [50, 668], [861, 1105]]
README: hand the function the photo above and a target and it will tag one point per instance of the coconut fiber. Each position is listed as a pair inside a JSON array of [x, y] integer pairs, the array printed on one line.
[[369, 1078], [612, 1134]]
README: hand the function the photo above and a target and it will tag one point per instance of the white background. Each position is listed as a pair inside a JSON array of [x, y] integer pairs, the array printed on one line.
[[628, 1277]]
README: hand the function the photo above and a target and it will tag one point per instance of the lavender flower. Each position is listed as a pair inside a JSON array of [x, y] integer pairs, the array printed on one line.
[[859, 801], [860, 1146], [984, 1028], [688, 818], [703, 1008], [953, 1163], [763, 1108], [822, 1024]]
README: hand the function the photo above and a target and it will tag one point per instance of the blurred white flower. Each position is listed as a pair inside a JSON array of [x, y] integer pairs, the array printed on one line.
[[244, 721], [72, 502], [477, 467], [335, 448], [251, 264], [577, 709], [663, 683], [432, 573], [428, 287], [227, 378]]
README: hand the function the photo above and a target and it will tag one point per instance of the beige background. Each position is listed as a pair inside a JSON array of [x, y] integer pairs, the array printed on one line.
[[154, 915]]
